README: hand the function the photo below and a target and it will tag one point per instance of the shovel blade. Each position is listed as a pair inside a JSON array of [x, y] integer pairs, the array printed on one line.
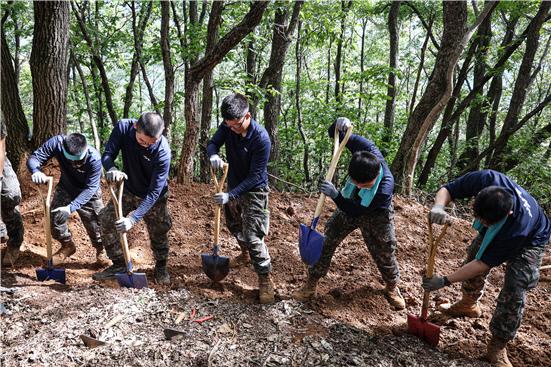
[[43, 274], [310, 244], [132, 280], [215, 267], [424, 330]]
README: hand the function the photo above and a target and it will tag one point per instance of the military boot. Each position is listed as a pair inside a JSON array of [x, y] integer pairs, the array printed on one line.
[[466, 307], [307, 291], [240, 260], [101, 257], [497, 353], [10, 256], [109, 273], [67, 249], [394, 297], [265, 288], [161, 273]]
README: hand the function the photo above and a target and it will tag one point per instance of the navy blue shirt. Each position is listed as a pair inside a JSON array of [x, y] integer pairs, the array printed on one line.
[[247, 156], [527, 226], [80, 182], [147, 168], [383, 196]]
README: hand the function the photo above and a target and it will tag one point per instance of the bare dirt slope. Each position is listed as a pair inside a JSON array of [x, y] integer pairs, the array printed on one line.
[[349, 323]]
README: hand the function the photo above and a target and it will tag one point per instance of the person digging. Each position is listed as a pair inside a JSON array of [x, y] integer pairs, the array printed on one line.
[[146, 162], [365, 203], [512, 228], [78, 191], [246, 202]]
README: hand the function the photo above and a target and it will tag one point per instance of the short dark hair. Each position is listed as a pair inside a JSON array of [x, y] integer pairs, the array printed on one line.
[[75, 143], [492, 204], [234, 106], [151, 124], [363, 167]]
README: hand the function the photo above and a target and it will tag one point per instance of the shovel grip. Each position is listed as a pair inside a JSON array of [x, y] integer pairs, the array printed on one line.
[[47, 218], [337, 151], [218, 187], [117, 202]]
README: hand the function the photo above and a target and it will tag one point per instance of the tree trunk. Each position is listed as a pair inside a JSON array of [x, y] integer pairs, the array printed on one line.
[[393, 31], [362, 67], [195, 74], [437, 93], [420, 69], [345, 6], [167, 63], [298, 55], [49, 70], [16, 123], [250, 69]]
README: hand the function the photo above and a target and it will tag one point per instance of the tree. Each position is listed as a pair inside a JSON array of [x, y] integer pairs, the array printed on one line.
[[48, 63], [167, 63]]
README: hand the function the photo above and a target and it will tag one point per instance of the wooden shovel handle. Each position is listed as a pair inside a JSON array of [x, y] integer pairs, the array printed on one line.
[[47, 218], [218, 187], [117, 202], [337, 151]]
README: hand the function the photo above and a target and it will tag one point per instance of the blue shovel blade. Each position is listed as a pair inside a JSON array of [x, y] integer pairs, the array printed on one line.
[[43, 274], [132, 280], [310, 244]]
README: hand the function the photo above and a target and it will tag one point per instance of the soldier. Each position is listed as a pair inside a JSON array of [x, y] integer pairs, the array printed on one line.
[[11, 225], [512, 228], [78, 190], [146, 163], [366, 203], [246, 202]]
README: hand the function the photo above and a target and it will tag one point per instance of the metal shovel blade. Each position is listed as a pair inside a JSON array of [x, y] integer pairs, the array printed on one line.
[[43, 274], [310, 244], [215, 266], [132, 280], [424, 330]]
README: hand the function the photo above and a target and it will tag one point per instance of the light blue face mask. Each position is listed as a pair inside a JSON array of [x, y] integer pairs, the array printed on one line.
[[366, 195], [491, 232], [73, 157]]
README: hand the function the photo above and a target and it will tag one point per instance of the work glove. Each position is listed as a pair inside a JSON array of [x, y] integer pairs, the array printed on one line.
[[3, 232], [39, 178], [114, 175], [343, 124], [124, 224], [327, 188], [221, 198], [438, 215], [216, 162], [435, 283], [63, 213]]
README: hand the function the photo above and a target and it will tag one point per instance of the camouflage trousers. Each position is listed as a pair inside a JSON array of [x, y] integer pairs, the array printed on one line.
[[9, 206], [157, 221], [88, 213], [521, 275], [248, 219], [377, 230]]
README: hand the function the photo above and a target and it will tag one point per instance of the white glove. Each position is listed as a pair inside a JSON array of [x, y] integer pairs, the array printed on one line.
[[114, 175], [343, 124], [124, 225], [64, 212], [39, 178], [216, 162], [438, 215], [221, 198]]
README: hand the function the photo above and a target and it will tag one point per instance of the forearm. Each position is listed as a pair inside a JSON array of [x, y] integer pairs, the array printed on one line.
[[468, 271], [443, 197]]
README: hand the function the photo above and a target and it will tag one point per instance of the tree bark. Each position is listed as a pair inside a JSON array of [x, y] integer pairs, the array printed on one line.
[[167, 64], [298, 55], [49, 70], [393, 31], [345, 6], [195, 74]]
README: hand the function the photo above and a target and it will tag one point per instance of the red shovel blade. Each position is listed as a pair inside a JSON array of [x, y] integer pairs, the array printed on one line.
[[424, 330]]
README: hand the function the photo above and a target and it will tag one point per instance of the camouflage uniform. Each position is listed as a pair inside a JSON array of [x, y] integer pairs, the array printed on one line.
[[248, 219], [521, 275], [88, 213], [377, 229], [157, 220]]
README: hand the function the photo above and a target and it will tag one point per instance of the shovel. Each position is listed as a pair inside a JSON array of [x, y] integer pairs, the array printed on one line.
[[49, 272], [310, 241], [419, 326], [215, 266], [127, 279]]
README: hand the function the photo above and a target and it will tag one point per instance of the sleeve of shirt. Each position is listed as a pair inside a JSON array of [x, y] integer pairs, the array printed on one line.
[[92, 185], [217, 140], [112, 148], [259, 162], [158, 182], [357, 143], [469, 185], [42, 154]]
